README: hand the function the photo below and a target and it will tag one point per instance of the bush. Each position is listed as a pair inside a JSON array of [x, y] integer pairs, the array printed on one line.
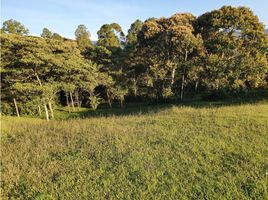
[[95, 101], [7, 109]]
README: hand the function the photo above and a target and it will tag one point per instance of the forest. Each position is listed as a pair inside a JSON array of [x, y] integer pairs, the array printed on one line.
[[219, 54]]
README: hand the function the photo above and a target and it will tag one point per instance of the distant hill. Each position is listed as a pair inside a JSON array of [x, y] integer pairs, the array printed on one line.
[[266, 31]]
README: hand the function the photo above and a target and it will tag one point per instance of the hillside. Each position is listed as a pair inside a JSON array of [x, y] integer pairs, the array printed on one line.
[[176, 153]]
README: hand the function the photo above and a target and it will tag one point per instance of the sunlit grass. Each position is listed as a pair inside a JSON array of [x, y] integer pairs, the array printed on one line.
[[174, 152]]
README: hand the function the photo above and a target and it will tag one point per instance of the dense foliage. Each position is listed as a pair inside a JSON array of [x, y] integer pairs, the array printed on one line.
[[223, 51]]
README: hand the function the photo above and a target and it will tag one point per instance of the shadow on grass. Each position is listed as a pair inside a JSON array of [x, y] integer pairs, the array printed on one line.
[[149, 108]]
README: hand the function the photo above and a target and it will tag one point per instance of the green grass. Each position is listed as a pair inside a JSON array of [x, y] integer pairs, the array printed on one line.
[[147, 152]]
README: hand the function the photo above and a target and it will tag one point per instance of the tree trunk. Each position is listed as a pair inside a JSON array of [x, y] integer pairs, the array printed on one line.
[[173, 76], [77, 99], [16, 107], [68, 104], [38, 79], [109, 99], [110, 103], [135, 87], [121, 102], [183, 75], [46, 111], [72, 101], [182, 86], [45, 106], [39, 111], [51, 110], [163, 95], [196, 85]]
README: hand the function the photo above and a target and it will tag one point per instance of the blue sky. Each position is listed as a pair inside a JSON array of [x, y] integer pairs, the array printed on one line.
[[63, 16]]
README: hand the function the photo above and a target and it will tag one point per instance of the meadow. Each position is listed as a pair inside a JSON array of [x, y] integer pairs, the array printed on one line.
[[190, 151]]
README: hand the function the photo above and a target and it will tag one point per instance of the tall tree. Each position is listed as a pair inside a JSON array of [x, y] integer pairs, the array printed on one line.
[[166, 45], [14, 27], [236, 46], [56, 36], [111, 36], [132, 70], [133, 32], [46, 33], [82, 36]]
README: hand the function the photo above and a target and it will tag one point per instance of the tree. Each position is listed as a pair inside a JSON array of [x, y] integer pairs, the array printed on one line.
[[166, 44], [236, 49], [41, 66], [76, 74], [26, 62], [111, 36], [95, 101], [56, 36], [132, 69], [46, 33], [133, 32], [99, 55], [68, 89], [111, 40], [82, 37], [120, 93], [12, 26]]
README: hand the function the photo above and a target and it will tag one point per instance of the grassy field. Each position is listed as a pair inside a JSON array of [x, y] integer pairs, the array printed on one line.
[[166, 152]]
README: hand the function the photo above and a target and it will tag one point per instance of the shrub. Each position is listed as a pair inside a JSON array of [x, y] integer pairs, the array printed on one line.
[[7, 109], [95, 101]]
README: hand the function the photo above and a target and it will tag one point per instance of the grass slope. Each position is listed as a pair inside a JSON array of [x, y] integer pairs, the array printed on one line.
[[175, 153]]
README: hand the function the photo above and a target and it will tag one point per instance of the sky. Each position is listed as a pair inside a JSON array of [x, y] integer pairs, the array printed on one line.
[[63, 16]]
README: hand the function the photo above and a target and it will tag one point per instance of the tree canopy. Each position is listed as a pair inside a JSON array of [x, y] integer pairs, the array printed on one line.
[[14, 27], [111, 36], [82, 36], [222, 51], [236, 47], [46, 33]]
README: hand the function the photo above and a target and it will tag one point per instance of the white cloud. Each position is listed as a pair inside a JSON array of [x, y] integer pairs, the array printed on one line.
[[94, 37], [34, 34]]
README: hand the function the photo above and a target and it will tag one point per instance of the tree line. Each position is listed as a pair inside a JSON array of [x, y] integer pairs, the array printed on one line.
[[222, 51]]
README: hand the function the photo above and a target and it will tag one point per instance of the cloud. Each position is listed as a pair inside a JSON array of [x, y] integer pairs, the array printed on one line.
[[94, 37], [34, 34]]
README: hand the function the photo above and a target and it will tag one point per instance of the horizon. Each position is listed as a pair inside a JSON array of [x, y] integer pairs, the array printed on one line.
[[63, 17]]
